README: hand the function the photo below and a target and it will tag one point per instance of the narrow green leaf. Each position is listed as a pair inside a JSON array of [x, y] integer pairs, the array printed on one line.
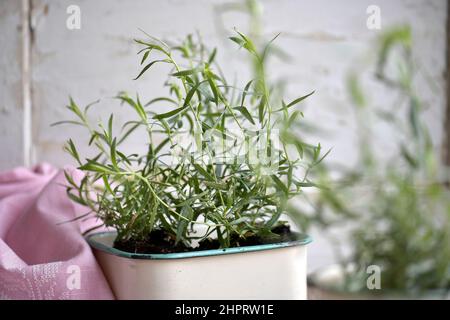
[[151, 46], [408, 157], [161, 99], [136, 105], [147, 67], [161, 145], [128, 132], [289, 176], [124, 158], [214, 89], [212, 56], [246, 89], [75, 198], [141, 109], [93, 137], [299, 147], [268, 46], [273, 219], [261, 109], [191, 93], [237, 40], [74, 108], [73, 151], [185, 73], [280, 184], [296, 101], [323, 157], [96, 167], [305, 184], [70, 179], [217, 185], [107, 185], [244, 111], [299, 99], [293, 117], [66, 122], [145, 56], [247, 43], [355, 90], [186, 212], [113, 154], [110, 126], [239, 221], [170, 113], [203, 172], [414, 117]]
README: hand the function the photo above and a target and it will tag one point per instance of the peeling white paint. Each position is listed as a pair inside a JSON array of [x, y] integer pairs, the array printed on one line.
[[11, 111], [26, 85]]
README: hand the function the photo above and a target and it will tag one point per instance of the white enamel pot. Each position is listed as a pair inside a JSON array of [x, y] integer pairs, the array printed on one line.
[[268, 271]]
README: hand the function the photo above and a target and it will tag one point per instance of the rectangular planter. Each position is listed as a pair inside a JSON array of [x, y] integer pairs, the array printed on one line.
[[269, 271]]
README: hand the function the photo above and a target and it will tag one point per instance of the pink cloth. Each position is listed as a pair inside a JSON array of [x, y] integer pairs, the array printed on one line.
[[40, 258]]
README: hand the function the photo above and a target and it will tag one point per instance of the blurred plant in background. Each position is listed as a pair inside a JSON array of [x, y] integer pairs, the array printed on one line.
[[398, 210]]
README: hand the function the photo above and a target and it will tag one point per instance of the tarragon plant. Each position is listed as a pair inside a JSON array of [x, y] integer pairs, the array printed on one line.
[[399, 210], [220, 162]]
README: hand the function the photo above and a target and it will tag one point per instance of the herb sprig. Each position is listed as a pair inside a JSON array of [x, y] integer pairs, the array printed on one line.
[[202, 194]]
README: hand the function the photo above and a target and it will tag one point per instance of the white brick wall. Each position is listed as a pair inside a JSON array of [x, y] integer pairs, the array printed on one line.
[[324, 37]]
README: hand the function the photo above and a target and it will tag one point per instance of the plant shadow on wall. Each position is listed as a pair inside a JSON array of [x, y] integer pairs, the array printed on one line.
[[225, 166], [399, 210]]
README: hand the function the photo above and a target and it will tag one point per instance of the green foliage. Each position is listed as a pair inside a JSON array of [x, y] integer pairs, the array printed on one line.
[[137, 194], [400, 211]]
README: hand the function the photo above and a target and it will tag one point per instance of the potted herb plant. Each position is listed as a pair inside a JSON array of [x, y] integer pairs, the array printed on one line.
[[199, 215], [399, 211]]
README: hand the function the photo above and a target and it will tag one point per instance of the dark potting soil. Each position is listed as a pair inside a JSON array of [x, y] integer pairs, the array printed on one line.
[[160, 241]]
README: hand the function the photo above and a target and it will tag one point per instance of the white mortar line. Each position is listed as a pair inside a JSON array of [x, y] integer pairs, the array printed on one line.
[[26, 83]]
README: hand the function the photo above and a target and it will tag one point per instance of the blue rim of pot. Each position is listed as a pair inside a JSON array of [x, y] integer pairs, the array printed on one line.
[[302, 239]]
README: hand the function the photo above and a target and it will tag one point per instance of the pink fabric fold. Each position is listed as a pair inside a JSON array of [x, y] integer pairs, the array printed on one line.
[[41, 257]]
